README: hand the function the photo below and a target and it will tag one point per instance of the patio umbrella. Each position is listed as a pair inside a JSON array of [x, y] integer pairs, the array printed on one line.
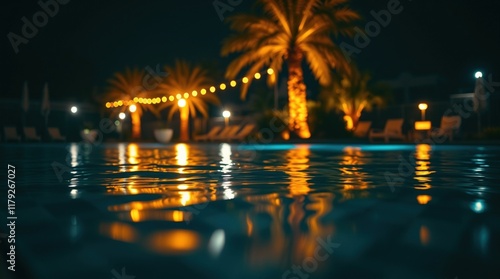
[[45, 103], [25, 102]]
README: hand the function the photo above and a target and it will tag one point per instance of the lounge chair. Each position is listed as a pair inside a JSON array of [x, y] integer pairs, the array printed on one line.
[[55, 134], [209, 135], [30, 134], [227, 133], [450, 125], [393, 130], [362, 129], [10, 133], [243, 133]]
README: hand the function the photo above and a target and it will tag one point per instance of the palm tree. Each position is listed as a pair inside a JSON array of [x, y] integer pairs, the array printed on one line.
[[126, 87], [184, 81], [351, 94], [291, 31]]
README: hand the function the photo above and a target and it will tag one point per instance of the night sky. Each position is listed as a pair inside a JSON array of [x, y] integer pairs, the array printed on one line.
[[87, 41]]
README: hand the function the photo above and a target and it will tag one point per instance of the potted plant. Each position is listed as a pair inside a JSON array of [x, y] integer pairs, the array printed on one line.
[[163, 133]]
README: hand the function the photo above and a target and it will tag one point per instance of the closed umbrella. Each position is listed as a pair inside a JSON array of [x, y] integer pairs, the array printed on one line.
[[25, 102], [45, 103]]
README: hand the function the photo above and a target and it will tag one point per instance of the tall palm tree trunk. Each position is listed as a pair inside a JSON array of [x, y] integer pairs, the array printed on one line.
[[184, 133], [297, 108], [136, 125]]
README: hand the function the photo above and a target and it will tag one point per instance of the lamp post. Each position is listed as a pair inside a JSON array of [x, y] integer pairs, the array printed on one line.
[[226, 114], [422, 107], [478, 91]]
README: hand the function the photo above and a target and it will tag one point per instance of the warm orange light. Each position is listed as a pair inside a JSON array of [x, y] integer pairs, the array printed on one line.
[[136, 100], [270, 71], [186, 95], [174, 241], [212, 89], [257, 75], [171, 98], [203, 91], [232, 83], [119, 231], [181, 103], [285, 135], [425, 235], [422, 125], [164, 99], [244, 80], [422, 106], [424, 199], [222, 86], [108, 104], [115, 104], [178, 96], [194, 93], [349, 122]]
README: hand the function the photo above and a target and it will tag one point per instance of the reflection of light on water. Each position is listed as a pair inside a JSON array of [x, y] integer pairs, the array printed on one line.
[[133, 153], [182, 153], [229, 194], [216, 243], [249, 225], [174, 241], [75, 230], [118, 231], [481, 237], [74, 193], [122, 157], [352, 176], [73, 150], [169, 215], [296, 168], [185, 197], [478, 206], [424, 199], [422, 166], [425, 235], [225, 153], [226, 164]]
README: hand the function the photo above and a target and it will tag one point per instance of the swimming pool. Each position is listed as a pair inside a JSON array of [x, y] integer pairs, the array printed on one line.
[[255, 211]]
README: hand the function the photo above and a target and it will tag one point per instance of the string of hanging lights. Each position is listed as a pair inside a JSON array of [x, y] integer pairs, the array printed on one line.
[[178, 96]]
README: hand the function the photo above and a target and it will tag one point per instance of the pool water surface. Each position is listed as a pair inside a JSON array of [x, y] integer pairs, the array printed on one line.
[[127, 210]]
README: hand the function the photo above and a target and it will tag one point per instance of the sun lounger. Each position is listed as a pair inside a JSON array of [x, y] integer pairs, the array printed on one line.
[[213, 132], [10, 133], [362, 129], [450, 125], [226, 133], [393, 130], [30, 134], [243, 133], [55, 134]]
